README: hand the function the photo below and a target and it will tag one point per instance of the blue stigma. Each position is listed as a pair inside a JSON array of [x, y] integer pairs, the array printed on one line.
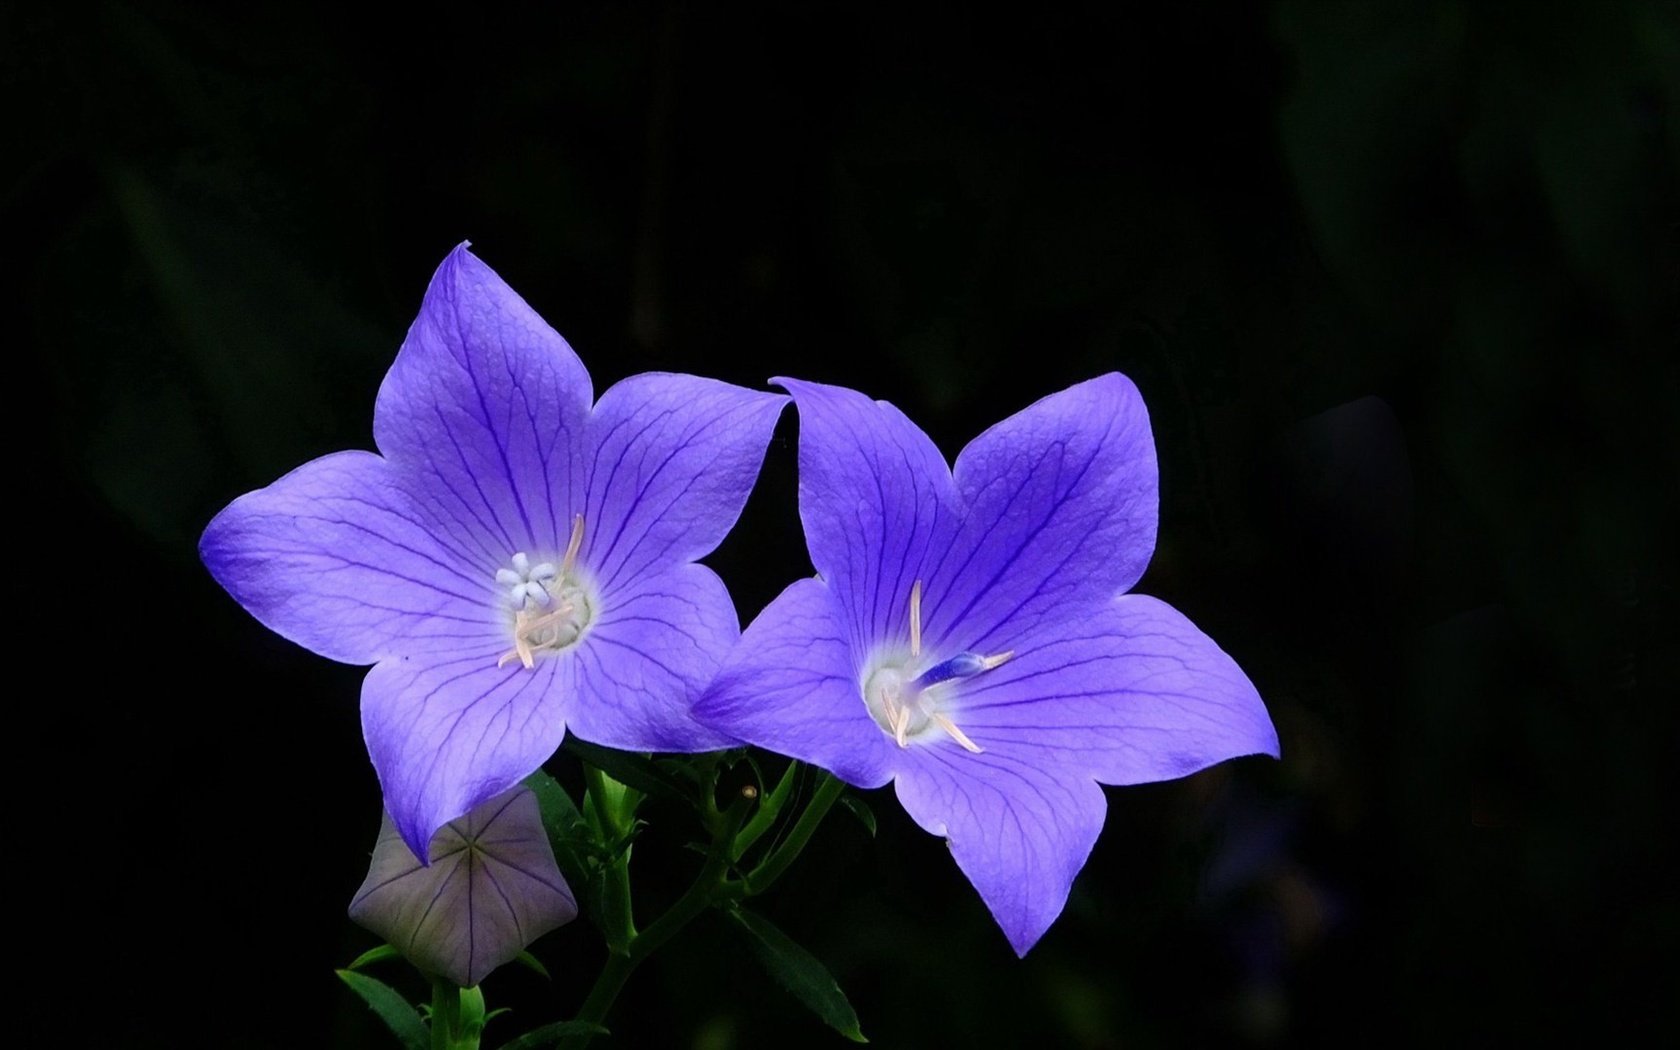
[[962, 665]]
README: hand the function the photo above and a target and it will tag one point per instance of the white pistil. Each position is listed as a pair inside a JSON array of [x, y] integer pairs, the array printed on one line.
[[910, 701]]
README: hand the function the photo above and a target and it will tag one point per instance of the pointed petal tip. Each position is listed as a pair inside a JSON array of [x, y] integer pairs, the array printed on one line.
[[418, 840], [1021, 942]]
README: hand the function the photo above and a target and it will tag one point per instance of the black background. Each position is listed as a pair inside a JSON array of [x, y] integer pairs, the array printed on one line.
[[1397, 280]]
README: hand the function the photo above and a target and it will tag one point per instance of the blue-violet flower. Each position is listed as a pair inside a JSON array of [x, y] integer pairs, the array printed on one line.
[[515, 562], [969, 639]]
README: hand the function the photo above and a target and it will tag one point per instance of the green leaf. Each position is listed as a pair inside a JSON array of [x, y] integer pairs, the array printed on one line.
[[373, 955], [533, 963], [632, 770], [549, 1034], [858, 808], [575, 848], [398, 1013], [800, 972]]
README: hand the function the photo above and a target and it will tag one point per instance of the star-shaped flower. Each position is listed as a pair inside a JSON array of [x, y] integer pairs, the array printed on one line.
[[515, 562], [969, 637]]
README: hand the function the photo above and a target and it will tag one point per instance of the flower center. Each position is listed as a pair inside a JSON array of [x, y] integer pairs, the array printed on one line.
[[552, 605], [908, 695]]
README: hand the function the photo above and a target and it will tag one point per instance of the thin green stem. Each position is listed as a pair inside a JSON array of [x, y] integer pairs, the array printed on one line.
[[617, 908], [701, 892], [829, 789], [695, 900], [768, 810], [607, 985]]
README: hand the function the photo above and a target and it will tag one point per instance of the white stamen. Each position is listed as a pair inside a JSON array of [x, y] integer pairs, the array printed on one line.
[[898, 715], [956, 734], [916, 619], [909, 696], [573, 545], [540, 622]]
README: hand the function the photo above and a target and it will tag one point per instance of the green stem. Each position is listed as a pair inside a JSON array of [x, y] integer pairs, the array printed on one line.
[[829, 789], [617, 909], [446, 1015], [695, 900], [768, 809]]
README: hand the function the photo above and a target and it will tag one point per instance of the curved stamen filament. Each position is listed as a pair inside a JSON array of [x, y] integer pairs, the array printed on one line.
[[572, 545]]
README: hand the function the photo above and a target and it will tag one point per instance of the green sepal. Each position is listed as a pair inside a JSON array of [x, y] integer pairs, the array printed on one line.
[[549, 1034], [398, 1013], [373, 955], [858, 808], [472, 1015], [531, 962], [800, 972]]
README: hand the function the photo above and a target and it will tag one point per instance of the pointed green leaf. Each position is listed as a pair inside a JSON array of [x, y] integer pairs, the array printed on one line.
[[373, 955], [531, 962], [398, 1013], [800, 972], [858, 808], [549, 1034]]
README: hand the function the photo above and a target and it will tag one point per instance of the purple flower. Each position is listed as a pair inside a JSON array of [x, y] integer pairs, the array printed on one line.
[[968, 636], [515, 562], [491, 888]]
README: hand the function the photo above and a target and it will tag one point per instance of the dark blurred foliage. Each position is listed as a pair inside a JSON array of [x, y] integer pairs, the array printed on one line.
[[1398, 280]]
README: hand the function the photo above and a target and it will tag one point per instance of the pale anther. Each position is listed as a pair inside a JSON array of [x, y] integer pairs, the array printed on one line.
[[916, 619], [573, 544], [956, 734]]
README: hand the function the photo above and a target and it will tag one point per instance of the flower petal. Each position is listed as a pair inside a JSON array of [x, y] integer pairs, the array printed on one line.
[[484, 409], [791, 686], [875, 497], [447, 734], [334, 557], [646, 659], [1132, 694], [672, 459], [1018, 832], [1060, 504], [492, 888]]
